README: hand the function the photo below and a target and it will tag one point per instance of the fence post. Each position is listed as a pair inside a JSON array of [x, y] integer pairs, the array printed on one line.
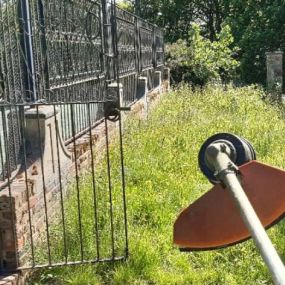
[[27, 46], [44, 49], [138, 44], [138, 7], [107, 38], [153, 47], [274, 62]]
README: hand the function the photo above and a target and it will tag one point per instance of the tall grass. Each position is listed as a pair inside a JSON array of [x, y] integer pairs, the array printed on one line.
[[163, 177]]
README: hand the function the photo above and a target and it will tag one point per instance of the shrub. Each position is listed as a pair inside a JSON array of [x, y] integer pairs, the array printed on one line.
[[199, 60]]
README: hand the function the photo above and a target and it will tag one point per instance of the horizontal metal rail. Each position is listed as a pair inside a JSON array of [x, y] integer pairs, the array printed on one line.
[[120, 258]]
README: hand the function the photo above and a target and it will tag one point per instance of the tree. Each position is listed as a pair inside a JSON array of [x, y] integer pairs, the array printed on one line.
[[210, 14], [174, 16], [199, 60], [177, 16], [257, 26], [126, 5]]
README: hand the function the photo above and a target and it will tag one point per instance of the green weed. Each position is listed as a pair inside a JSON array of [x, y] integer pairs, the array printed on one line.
[[163, 178]]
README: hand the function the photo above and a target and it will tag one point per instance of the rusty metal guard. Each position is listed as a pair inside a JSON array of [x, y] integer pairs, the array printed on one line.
[[213, 221]]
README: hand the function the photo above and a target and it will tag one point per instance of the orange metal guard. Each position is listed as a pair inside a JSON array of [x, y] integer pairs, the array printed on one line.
[[214, 221]]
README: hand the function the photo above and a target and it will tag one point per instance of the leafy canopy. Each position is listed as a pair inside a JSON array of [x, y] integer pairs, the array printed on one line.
[[199, 60], [257, 26]]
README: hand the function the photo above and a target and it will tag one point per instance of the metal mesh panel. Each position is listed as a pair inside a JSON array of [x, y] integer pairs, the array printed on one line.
[[129, 90], [68, 44], [46, 45], [146, 45], [126, 42], [10, 141], [12, 88], [159, 48], [69, 51]]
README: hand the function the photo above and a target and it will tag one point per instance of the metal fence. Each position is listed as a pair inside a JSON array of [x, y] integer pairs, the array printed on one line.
[[69, 51], [58, 59], [49, 46]]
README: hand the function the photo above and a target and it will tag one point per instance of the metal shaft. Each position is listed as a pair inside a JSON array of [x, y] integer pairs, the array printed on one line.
[[218, 157]]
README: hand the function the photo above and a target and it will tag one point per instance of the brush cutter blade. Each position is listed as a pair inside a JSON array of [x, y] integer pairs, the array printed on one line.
[[214, 221]]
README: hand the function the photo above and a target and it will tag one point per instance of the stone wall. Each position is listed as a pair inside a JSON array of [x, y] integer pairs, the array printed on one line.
[[274, 62]]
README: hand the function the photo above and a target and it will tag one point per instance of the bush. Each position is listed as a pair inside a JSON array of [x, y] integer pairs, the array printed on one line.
[[200, 61]]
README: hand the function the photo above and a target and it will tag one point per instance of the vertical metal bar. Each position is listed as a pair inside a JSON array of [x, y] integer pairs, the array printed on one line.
[[153, 48], [106, 38], [63, 119], [82, 115], [163, 48], [77, 181], [102, 33], [60, 184], [2, 158], [43, 44], [116, 51], [124, 187], [6, 143], [35, 25], [218, 157], [75, 109], [13, 135], [28, 47], [2, 149], [110, 188], [44, 185], [116, 70], [11, 56], [23, 131], [95, 205], [138, 45], [5, 68], [1, 251], [68, 119]]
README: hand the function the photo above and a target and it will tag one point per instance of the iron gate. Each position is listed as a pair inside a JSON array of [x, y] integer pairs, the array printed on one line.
[[65, 205], [62, 68]]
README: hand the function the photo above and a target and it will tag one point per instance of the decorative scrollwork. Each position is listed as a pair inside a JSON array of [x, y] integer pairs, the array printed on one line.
[[159, 47], [126, 32], [74, 40], [146, 40]]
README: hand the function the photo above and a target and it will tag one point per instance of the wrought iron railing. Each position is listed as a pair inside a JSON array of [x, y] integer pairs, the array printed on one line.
[[69, 51], [58, 61]]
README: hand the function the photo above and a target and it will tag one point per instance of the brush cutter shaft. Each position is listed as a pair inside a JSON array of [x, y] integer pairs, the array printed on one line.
[[218, 155], [262, 241]]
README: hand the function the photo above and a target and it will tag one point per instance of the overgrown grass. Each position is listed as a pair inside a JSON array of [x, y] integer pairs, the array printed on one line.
[[163, 177]]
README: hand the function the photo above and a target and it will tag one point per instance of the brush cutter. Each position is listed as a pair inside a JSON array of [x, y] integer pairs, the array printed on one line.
[[247, 197]]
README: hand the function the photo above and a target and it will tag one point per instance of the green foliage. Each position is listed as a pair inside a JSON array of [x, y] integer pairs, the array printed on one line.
[[126, 5], [201, 60], [258, 26], [163, 178], [174, 16]]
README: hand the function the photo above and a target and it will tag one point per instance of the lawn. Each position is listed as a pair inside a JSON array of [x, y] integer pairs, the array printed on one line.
[[163, 177]]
